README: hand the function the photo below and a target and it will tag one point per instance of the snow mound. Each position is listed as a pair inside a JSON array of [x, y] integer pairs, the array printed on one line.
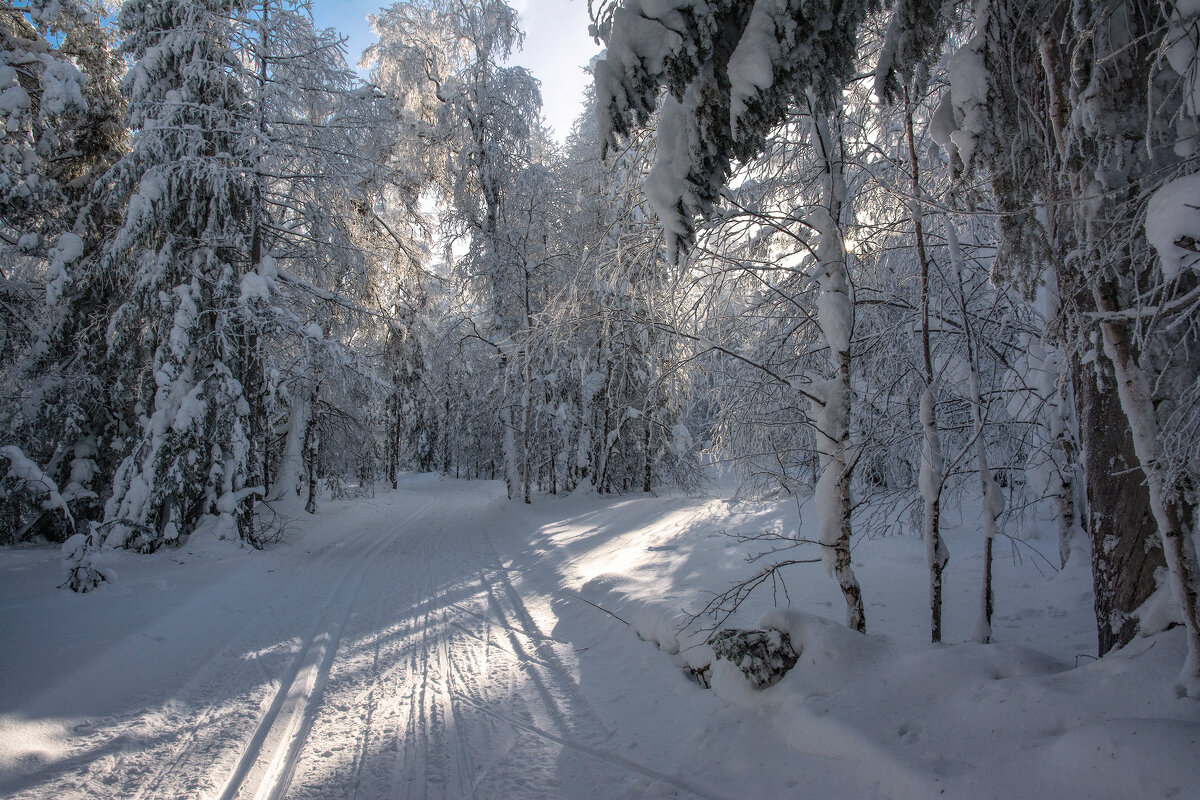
[[1173, 224]]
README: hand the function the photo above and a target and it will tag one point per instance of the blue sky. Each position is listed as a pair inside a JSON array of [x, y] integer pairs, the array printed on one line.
[[557, 47]]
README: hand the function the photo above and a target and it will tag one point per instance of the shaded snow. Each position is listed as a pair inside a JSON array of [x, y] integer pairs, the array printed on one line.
[[434, 642], [750, 64]]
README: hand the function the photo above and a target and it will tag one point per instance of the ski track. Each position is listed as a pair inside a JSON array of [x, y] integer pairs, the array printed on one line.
[[424, 675]]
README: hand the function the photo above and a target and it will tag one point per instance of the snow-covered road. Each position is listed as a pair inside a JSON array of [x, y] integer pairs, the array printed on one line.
[[441, 643], [404, 655], [448, 684]]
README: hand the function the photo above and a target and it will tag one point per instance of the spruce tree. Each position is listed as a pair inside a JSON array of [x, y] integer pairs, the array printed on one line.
[[180, 341]]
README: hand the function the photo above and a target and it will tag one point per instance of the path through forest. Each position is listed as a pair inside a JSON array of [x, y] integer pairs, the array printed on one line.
[[438, 643], [407, 650]]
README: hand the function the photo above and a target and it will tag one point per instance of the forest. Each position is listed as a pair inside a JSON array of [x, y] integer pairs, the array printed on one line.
[[879, 260]]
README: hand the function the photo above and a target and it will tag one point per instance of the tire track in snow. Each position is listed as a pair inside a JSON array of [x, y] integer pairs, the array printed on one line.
[[265, 767], [433, 758]]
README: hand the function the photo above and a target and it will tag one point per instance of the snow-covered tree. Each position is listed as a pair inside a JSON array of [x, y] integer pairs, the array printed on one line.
[[444, 61], [63, 126], [1079, 118], [623, 413], [733, 72], [317, 252], [181, 338], [62, 116]]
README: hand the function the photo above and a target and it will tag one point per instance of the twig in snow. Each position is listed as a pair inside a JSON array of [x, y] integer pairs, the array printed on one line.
[[605, 610]]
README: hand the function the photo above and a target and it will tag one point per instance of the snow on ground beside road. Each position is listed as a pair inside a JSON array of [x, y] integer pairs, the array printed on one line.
[[435, 642]]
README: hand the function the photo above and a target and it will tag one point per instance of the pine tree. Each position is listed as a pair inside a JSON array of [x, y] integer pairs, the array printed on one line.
[[181, 338]]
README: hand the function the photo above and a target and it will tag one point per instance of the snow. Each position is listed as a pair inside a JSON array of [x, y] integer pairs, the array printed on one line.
[[68, 248], [184, 322], [968, 78], [1173, 218], [255, 287], [435, 642], [666, 185], [638, 44], [25, 470], [681, 440], [1182, 50], [62, 86], [835, 313], [191, 411], [13, 99], [750, 65], [592, 383]]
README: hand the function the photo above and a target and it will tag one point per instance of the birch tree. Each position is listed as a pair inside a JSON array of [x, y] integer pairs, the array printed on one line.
[[1091, 119], [732, 73], [444, 60]]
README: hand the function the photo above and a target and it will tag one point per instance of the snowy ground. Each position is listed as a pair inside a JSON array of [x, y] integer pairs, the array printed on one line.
[[431, 643]]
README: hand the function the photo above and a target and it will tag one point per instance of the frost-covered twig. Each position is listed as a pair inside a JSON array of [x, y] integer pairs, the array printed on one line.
[[722, 606]]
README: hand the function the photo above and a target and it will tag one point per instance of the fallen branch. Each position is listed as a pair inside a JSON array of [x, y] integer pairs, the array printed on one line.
[[600, 608]]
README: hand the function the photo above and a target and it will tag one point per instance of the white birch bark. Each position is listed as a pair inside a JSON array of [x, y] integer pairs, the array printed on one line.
[[835, 315], [932, 473], [291, 461], [992, 498], [512, 465]]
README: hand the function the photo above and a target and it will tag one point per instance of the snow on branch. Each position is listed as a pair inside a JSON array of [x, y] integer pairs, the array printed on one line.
[[732, 71], [23, 469]]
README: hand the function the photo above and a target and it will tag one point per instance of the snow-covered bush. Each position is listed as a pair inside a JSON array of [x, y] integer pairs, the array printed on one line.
[[763, 656]]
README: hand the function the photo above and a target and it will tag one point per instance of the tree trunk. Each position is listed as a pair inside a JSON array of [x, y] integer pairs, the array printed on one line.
[[992, 500], [856, 616], [1133, 389], [646, 482], [287, 479], [393, 439], [312, 447], [512, 478], [526, 424], [932, 466], [835, 313], [1125, 547]]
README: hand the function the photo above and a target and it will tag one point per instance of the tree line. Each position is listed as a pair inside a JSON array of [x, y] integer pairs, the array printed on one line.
[[892, 257]]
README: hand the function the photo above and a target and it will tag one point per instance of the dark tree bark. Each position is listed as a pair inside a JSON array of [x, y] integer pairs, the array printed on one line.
[[1125, 545]]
